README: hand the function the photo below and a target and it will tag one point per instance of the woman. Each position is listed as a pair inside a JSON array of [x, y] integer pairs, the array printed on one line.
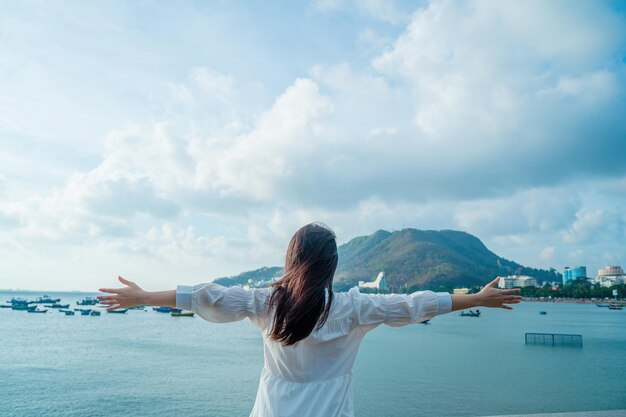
[[311, 336]]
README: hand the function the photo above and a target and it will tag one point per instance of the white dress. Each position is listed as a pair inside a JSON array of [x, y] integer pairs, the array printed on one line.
[[313, 377]]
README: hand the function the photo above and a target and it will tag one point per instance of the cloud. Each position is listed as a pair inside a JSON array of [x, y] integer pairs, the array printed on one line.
[[543, 210], [547, 253], [385, 10], [513, 90], [596, 225], [451, 112], [7, 220], [502, 119]]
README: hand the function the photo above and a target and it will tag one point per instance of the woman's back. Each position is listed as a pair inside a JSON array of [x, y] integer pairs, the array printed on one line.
[[328, 352], [312, 377]]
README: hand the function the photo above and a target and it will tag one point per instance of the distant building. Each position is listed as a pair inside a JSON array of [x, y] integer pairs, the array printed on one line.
[[380, 283], [610, 270], [570, 274], [262, 283], [610, 275], [513, 281], [461, 290]]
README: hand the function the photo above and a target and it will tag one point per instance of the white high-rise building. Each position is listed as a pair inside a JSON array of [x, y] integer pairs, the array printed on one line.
[[610, 275], [513, 281]]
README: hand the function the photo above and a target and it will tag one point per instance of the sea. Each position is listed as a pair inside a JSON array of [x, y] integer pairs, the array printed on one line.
[[145, 363]]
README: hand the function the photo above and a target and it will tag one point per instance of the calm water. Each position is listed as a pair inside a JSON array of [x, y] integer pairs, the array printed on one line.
[[146, 363]]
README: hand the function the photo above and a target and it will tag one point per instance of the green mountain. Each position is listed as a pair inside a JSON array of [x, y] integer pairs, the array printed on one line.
[[265, 274], [414, 259]]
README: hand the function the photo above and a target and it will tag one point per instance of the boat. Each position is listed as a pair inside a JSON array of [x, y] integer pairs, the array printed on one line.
[[55, 305], [46, 299], [602, 305], [19, 307], [615, 307], [88, 301], [5, 306], [67, 312], [19, 302], [85, 312], [470, 314], [162, 309], [34, 310], [543, 313], [122, 311], [94, 313], [181, 313]]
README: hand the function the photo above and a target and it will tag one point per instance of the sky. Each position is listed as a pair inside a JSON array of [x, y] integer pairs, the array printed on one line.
[[177, 142]]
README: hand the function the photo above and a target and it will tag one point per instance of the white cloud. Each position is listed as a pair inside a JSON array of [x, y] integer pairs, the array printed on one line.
[[502, 119], [596, 225], [385, 10], [547, 253]]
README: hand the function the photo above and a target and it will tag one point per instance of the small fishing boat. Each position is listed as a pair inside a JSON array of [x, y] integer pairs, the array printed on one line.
[[34, 310], [88, 301], [5, 306], [470, 314], [121, 311], [543, 313], [162, 309], [602, 305], [182, 313], [56, 305], [615, 307], [19, 303], [46, 299], [67, 312], [85, 312], [94, 313]]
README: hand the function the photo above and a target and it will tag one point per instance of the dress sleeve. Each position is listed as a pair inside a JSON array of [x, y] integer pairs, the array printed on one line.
[[396, 310], [220, 304]]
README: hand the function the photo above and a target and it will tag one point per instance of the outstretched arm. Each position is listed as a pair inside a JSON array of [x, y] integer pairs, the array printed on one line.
[[132, 295], [489, 296]]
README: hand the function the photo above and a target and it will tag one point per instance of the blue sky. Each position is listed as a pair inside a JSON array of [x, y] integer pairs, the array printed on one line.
[[176, 142]]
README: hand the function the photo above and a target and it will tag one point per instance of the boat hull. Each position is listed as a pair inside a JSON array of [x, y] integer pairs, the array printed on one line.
[[183, 314]]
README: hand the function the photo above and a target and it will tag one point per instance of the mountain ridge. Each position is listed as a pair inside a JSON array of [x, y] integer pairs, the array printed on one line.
[[413, 259]]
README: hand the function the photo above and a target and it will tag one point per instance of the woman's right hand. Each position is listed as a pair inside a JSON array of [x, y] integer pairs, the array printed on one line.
[[129, 296], [490, 296]]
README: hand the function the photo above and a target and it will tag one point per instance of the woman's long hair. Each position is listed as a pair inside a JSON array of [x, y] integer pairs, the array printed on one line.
[[299, 298]]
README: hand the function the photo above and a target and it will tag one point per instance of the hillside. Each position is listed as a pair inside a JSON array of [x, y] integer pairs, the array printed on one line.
[[261, 274], [414, 259]]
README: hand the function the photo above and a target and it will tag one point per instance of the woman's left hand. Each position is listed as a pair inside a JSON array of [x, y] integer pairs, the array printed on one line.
[[490, 296]]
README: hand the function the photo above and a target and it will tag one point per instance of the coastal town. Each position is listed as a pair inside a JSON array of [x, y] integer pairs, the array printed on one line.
[[576, 286]]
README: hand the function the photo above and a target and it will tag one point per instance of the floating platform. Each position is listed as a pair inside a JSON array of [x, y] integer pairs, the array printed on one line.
[[554, 339]]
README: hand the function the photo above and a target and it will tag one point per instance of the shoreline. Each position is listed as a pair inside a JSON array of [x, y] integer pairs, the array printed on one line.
[[573, 300], [524, 299]]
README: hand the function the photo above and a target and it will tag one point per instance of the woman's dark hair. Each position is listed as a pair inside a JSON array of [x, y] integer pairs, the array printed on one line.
[[299, 298]]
